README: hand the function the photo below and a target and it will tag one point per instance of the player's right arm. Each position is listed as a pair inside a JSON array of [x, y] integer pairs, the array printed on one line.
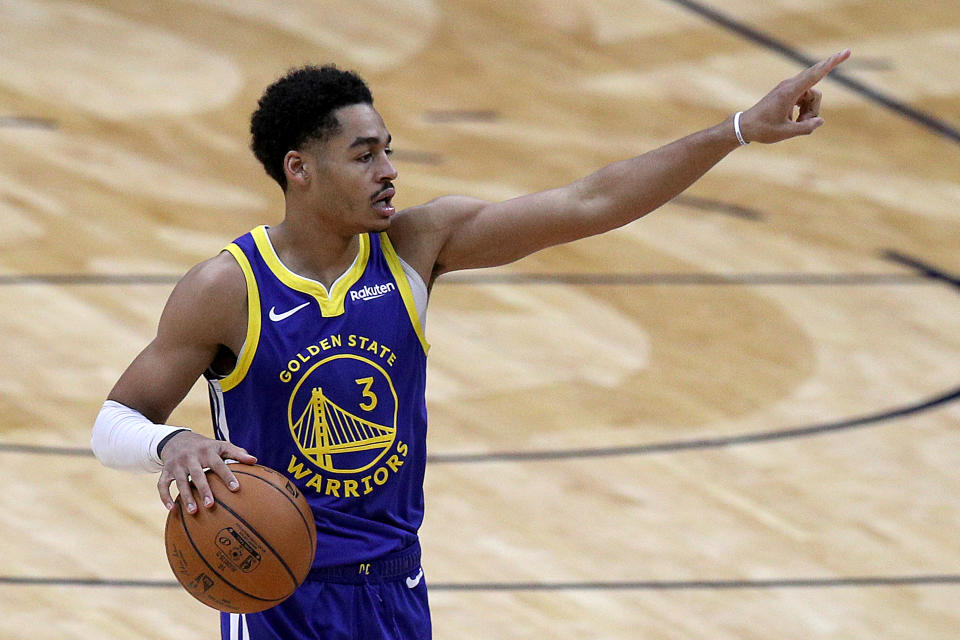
[[205, 313], [456, 232]]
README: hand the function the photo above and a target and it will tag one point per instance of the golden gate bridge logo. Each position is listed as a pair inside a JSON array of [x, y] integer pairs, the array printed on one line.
[[334, 438], [324, 429]]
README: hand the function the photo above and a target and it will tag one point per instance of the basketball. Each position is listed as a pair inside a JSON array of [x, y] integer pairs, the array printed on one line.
[[251, 550]]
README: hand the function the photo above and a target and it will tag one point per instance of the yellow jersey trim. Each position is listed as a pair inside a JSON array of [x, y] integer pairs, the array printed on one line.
[[249, 348], [332, 303], [393, 260]]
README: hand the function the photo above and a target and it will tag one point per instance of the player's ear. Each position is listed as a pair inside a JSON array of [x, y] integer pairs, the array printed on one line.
[[296, 167]]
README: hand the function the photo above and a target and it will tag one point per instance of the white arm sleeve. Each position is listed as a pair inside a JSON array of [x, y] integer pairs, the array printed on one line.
[[124, 439]]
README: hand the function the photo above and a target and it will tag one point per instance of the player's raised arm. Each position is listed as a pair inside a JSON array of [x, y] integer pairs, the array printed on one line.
[[473, 233]]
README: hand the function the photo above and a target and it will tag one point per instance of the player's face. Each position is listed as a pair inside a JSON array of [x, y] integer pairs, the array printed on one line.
[[355, 175]]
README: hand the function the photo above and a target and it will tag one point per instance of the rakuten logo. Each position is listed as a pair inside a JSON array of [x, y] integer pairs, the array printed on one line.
[[369, 293]]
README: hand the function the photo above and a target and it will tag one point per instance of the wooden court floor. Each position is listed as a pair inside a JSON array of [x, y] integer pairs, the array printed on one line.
[[734, 419]]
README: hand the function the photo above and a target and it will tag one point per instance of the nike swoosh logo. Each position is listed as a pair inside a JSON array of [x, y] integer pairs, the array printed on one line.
[[413, 582], [277, 317]]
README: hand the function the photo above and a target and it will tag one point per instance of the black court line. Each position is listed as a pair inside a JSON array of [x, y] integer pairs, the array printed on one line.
[[679, 279], [41, 450], [27, 122], [717, 206], [931, 122], [925, 269], [702, 443], [34, 581], [706, 585], [638, 585], [12, 279], [922, 273]]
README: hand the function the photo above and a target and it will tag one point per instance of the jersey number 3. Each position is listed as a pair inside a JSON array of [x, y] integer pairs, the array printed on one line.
[[370, 398]]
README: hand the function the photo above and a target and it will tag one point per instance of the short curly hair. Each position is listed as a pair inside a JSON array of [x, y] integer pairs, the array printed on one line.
[[299, 108]]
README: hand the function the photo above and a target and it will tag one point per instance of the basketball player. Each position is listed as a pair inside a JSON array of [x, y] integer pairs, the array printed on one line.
[[310, 334]]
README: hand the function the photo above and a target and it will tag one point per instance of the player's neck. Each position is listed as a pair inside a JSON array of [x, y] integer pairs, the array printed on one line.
[[312, 251]]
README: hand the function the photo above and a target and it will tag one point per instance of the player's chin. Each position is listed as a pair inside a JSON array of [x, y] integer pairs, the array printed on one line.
[[377, 224]]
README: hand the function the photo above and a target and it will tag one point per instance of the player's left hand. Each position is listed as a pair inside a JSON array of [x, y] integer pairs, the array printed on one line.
[[772, 119]]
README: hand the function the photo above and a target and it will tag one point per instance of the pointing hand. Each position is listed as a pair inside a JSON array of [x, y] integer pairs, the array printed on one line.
[[772, 119]]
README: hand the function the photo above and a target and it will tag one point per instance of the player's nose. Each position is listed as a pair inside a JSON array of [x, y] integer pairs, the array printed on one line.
[[388, 172]]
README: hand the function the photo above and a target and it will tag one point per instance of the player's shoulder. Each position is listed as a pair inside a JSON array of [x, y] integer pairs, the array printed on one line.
[[213, 287], [205, 305], [219, 273], [434, 218], [439, 211], [419, 233]]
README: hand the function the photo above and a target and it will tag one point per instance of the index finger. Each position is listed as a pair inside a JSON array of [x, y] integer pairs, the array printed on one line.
[[812, 75]]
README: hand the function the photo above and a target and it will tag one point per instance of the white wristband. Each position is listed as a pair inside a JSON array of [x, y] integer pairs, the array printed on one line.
[[124, 439], [736, 128]]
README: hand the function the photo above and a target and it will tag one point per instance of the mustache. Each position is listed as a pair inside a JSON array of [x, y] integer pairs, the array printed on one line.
[[387, 186]]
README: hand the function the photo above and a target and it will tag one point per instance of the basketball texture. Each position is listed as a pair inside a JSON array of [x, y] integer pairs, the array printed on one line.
[[251, 550]]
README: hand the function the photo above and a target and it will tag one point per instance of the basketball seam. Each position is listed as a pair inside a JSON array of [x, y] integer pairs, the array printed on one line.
[[186, 531], [282, 492]]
